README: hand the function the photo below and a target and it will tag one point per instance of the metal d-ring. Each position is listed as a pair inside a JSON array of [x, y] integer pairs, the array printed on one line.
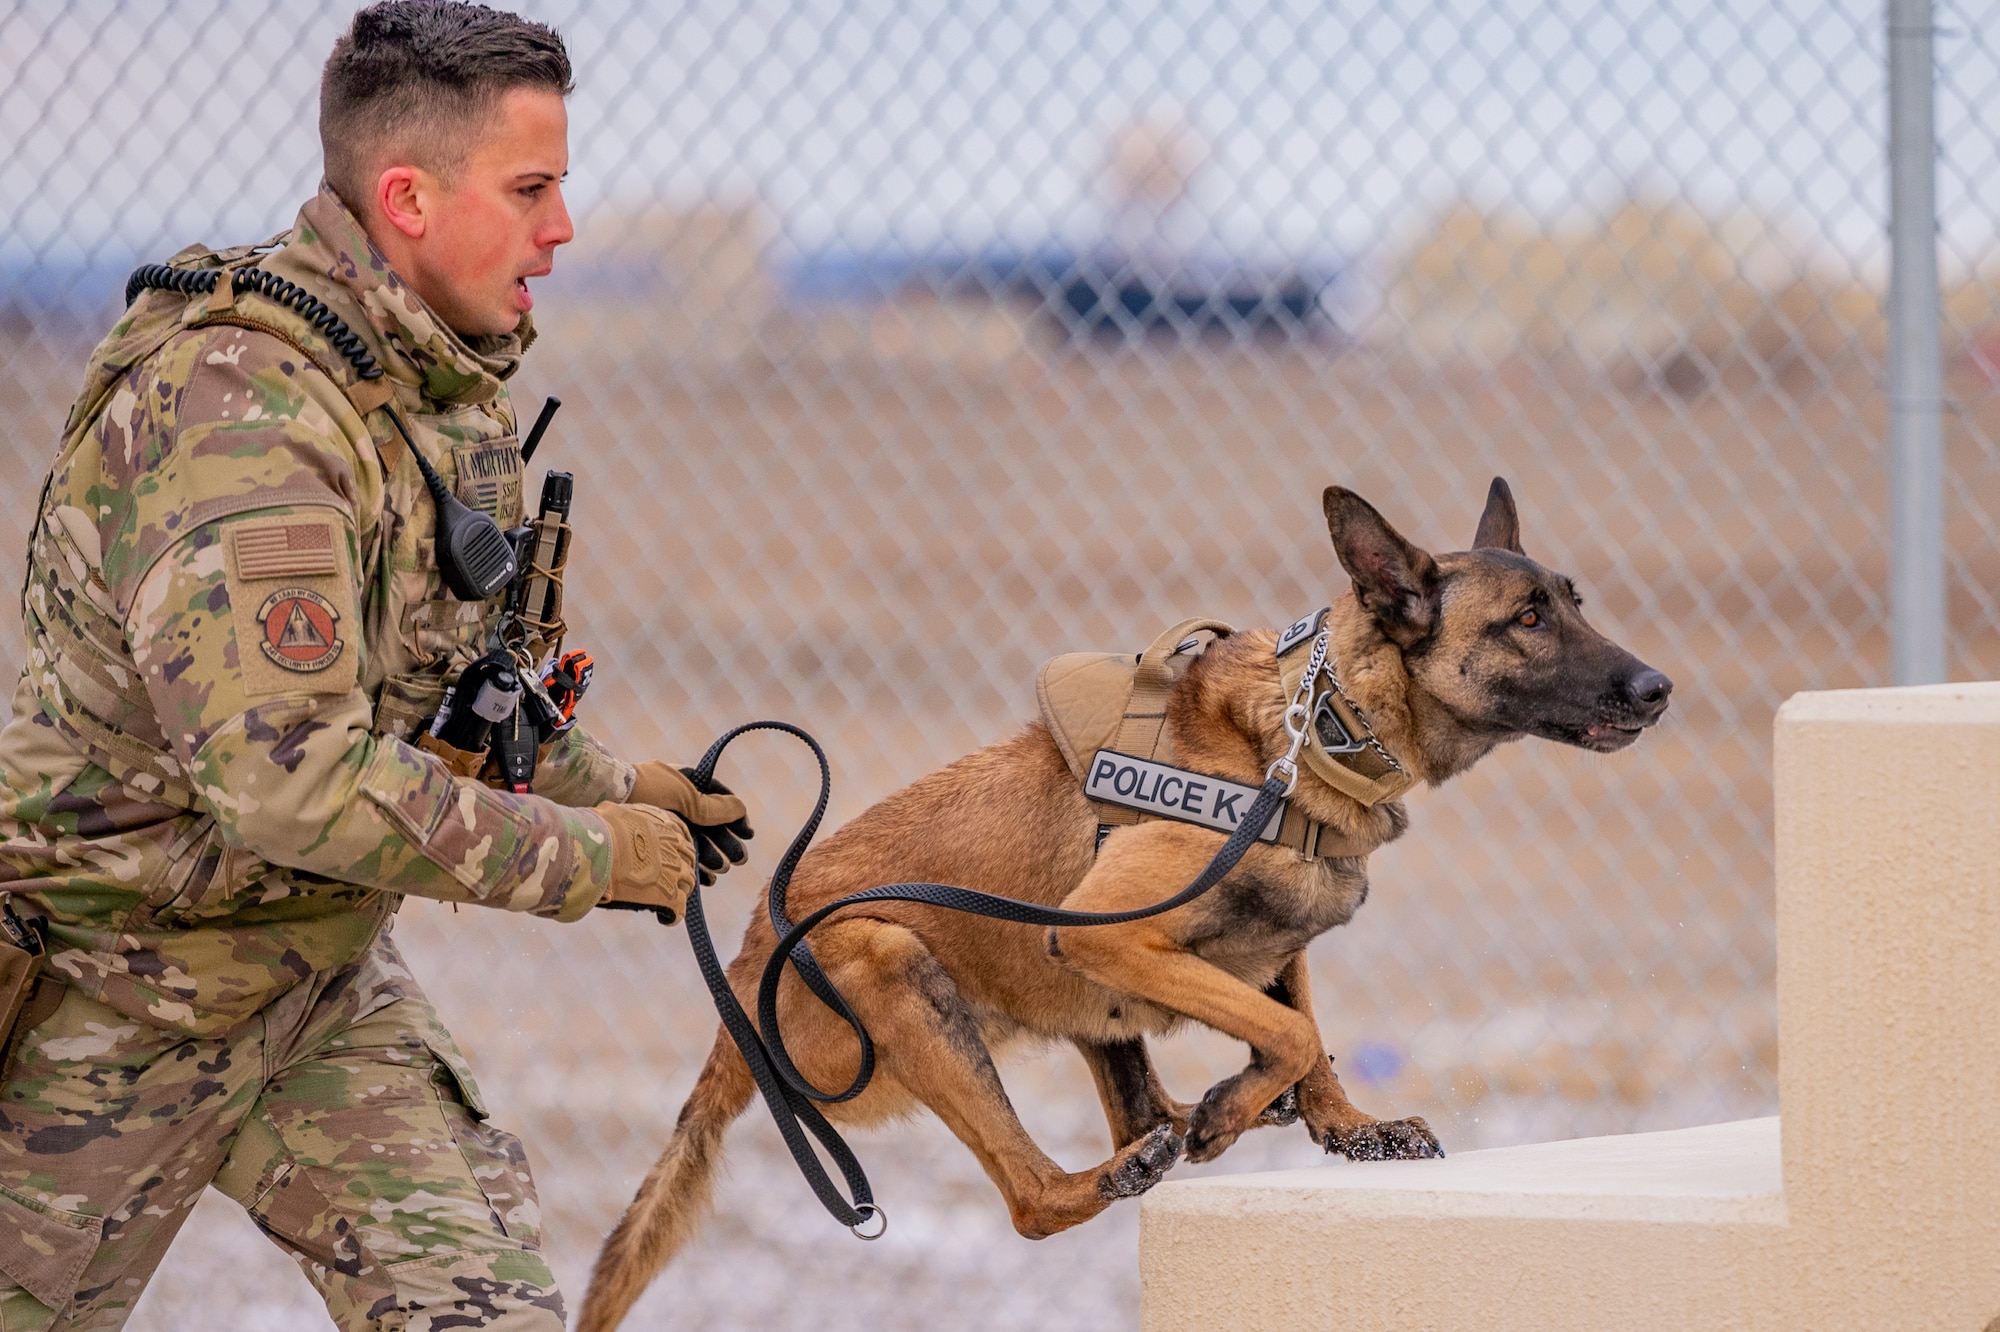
[[867, 1210]]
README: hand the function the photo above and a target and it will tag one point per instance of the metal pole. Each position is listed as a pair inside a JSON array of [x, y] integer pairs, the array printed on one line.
[[1916, 388]]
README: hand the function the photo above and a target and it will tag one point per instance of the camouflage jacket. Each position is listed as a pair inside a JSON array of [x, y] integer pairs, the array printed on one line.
[[235, 623]]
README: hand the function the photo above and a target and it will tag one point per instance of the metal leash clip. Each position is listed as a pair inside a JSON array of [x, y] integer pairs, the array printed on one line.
[[1298, 716]]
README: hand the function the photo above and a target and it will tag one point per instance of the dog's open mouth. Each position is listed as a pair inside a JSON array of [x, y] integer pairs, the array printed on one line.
[[1605, 737]]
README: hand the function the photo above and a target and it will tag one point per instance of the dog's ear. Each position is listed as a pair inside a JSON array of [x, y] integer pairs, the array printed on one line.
[[1500, 525], [1397, 583]]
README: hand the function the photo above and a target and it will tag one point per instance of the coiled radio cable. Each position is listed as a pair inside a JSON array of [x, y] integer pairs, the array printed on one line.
[[201, 281]]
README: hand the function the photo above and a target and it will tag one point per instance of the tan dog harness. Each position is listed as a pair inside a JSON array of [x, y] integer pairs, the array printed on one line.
[[1107, 712]]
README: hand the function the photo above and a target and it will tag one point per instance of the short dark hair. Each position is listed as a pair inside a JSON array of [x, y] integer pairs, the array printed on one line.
[[423, 77]]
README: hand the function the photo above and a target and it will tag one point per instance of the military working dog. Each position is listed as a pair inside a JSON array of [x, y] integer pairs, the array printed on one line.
[[1444, 657]]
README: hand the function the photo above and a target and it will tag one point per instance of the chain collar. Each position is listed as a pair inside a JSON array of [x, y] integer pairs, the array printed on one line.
[[1298, 714], [1317, 688], [1333, 683]]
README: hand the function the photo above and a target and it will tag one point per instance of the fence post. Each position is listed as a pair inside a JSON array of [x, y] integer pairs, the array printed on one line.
[[1916, 390]]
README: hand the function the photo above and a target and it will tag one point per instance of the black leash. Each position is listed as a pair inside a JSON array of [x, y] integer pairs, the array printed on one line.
[[793, 1101]]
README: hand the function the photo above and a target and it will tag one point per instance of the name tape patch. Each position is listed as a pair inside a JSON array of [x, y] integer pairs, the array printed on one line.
[[489, 478], [1299, 630], [1174, 793]]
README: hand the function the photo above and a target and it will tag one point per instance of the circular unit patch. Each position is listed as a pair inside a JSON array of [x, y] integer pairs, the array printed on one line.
[[299, 629]]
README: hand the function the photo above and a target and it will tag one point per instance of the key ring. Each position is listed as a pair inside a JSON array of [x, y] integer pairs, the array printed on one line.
[[867, 1210]]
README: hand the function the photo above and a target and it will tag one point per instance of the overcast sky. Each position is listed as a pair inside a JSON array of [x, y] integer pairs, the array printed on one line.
[[1325, 129]]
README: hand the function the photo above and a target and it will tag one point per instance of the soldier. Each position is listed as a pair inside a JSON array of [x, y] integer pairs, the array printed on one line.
[[238, 618]]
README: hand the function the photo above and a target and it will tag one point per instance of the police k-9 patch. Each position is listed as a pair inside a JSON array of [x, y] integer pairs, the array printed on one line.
[[1174, 793], [301, 630]]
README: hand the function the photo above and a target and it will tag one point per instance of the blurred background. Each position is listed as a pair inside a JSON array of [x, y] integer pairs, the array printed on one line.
[[907, 343]]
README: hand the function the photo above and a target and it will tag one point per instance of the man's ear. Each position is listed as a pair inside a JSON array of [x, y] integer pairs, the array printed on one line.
[[401, 197], [1500, 525], [1397, 583]]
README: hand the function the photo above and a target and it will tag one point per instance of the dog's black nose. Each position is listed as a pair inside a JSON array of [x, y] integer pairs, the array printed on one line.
[[1650, 687]]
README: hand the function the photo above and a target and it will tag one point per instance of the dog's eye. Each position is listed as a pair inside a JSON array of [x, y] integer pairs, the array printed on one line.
[[1529, 618]]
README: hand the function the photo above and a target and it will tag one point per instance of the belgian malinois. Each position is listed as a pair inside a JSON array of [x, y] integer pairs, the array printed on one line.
[[1445, 657]]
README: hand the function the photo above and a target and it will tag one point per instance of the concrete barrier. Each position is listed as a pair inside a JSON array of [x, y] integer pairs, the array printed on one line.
[[1879, 1205]]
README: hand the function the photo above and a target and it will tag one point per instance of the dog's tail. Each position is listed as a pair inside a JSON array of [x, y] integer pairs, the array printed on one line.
[[671, 1203]]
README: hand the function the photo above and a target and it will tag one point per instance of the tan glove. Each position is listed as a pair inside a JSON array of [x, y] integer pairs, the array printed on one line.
[[717, 819], [652, 860]]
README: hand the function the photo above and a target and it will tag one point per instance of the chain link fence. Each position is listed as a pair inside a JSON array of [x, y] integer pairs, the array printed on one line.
[[906, 344]]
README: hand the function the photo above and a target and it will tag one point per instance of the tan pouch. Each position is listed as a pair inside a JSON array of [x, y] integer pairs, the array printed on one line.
[[21, 953], [1115, 700], [18, 970], [462, 762], [407, 703]]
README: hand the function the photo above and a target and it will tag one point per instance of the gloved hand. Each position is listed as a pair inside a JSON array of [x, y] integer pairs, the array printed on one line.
[[717, 819], [652, 860]]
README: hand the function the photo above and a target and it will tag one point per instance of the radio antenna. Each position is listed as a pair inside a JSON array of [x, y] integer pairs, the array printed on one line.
[[540, 428]]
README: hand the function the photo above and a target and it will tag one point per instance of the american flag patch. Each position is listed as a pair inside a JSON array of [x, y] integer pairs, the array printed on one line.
[[290, 550]]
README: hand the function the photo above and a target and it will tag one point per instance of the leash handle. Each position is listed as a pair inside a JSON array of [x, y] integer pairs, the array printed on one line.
[[787, 1093], [795, 948], [793, 1114]]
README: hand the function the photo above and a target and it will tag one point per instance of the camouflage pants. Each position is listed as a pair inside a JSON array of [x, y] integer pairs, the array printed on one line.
[[342, 1118]]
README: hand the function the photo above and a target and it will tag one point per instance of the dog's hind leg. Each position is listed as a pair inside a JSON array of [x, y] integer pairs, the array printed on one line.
[[1333, 1121], [676, 1195], [927, 1040], [1135, 1101]]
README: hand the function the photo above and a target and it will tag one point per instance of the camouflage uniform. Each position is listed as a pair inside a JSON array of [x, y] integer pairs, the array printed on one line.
[[235, 623]]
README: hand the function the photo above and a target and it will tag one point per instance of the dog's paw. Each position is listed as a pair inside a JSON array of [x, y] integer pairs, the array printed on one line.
[[1386, 1140], [1283, 1111], [1146, 1163], [1208, 1137]]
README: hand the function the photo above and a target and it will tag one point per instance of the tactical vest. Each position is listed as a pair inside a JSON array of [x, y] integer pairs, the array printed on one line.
[[81, 669], [1110, 707]]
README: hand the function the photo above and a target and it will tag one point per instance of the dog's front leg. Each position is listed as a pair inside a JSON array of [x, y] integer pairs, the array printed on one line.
[[1333, 1121], [1142, 959], [1135, 1101], [1151, 960]]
